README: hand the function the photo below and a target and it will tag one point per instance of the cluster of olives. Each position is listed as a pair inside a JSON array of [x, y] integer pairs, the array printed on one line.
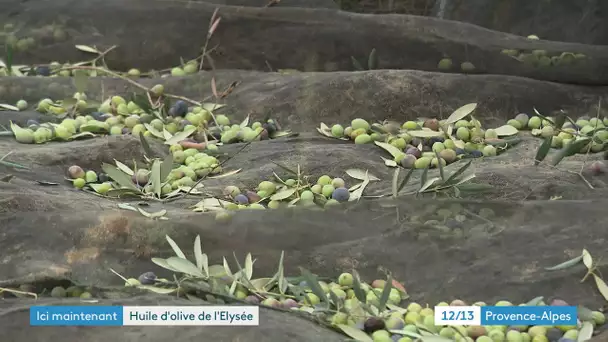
[[541, 58], [446, 64], [81, 178], [56, 292], [417, 317], [194, 165], [325, 192], [568, 133], [420, 153]]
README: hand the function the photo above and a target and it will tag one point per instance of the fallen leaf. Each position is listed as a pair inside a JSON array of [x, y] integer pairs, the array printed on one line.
[[361, 174]]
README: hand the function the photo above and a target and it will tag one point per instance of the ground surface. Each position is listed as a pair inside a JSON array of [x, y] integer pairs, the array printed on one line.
[[50, 234]]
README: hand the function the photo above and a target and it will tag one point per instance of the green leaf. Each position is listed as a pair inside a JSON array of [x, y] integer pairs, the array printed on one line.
[[282, 282], [454, 176], [158, 290], [385, 293], [372, 60], [428, 184], [424, 176], [124, 168], [356, 195], [248, 266], [201, 259], [440, 166], [9, 107], [185, 266], [145, 145], [311, 280], [535, 301], [245, 122], [569, 150], [142, 102], [361, 174], [460, 113], [157, 182], [587, 259], [601, 286], [261, 284], [9, 57], [506, 130], [356, 64], [405, 180], [154, 131], [88, 49], [227, 267], [406, 333], [425, 134], [357, 288], [175, 247], [283, 194], [394, 151], [586, 332], [543, 150], [166, 167], [395, 182], [119, 177], [355, 333], [180, 136], [435, 338], [163, 263], [566, 264]]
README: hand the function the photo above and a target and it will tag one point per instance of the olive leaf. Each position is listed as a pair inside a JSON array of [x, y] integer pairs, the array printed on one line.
[[18, 130], [460, 113], [560, 120], [506, 130], [226, 174], [185, 266], [282, 282], [144, 144], [357, 288], [566, 264], [406, 333], [124, 168], [385, 293], [283, 194], [425, 134], [389, 162], [158, 214], [440, 166], [424, 176], [454, 176], [356, 64], [155, 177], [535, 301], [372, 60], [355, 333], [9, 107], [405, 180], [395, 182], [361, 174], [394, 151], [180, 136], [428, 184], [587, 259], [154, 131], [87, 48], [96, 187], [543, 117], [119, 177], [245, 122], [261, 284], [543, 150], [248, 266], [356, 195], [227, 267], [165, 167], [569, 150], [158, 290], [166, 134], [202, 262], [312, 282], [434, 338], [601, 286], [175, 247], [163, 263], [586, 332]]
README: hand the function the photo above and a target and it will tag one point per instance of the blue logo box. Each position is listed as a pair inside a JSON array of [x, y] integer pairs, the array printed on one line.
[[528, 315], [86, 315]]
